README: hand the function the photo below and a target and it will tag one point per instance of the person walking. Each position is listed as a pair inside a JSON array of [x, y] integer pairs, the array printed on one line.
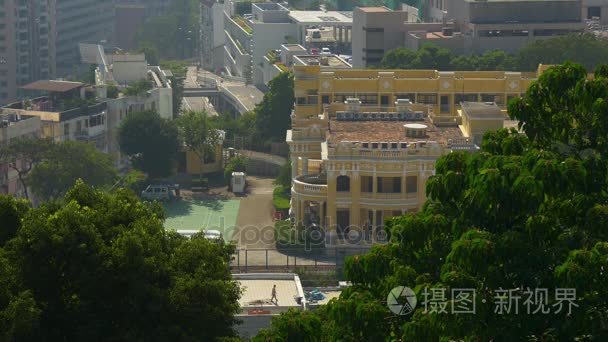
[[274, 295]]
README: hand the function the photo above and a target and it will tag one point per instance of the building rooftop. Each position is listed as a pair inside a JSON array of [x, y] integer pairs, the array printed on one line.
[[482, 110], [293, 47], [378, 9], [53, 86], [257, 291], [8, 119], [330, 61], [388, 131], [321, 17], [269, 6]]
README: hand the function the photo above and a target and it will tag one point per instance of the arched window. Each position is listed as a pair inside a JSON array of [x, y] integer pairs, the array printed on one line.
[[343, 183]]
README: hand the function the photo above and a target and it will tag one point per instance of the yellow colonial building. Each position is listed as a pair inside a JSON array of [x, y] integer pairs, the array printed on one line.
[[364, 142]]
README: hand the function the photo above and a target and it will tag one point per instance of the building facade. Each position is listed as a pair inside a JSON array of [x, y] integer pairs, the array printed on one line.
[[120, 70], [211, 35], [510, 24], [80, 21], [254, 29], [364, 142], [69, 112], [27, 44], [468, 27], [596, 9]]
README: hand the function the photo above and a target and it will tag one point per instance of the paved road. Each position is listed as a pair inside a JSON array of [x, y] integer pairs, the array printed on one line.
[[270, 158], [254, 232], [247, 95], [197, 104], [254, 223]]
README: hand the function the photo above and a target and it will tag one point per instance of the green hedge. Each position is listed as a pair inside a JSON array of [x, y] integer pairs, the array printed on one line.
[[280, 198]]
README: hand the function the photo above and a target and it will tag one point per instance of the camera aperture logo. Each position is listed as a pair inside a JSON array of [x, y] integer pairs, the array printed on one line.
[[401, 300]]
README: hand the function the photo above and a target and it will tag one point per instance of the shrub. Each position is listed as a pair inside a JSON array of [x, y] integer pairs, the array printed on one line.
[[280, 198]]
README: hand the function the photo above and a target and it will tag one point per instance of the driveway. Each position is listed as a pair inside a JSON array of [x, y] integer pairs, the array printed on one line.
[[254, 223]]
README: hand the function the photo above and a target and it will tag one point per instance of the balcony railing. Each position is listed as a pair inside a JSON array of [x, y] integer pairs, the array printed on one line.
[[390, 195], [335, 107], [306, 185]]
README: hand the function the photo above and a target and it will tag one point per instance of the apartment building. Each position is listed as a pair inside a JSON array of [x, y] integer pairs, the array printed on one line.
[[27, 34], [507, 25], [122, 69], [212, 35], [364, 142], [13, 126], [152, 7], [596, 9], [80, 21], [68, 111], [252, 29], [469, 27], [131, 14]]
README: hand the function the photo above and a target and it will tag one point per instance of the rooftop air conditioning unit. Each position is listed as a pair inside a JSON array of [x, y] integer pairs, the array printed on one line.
[[403, 105], [352, 104]]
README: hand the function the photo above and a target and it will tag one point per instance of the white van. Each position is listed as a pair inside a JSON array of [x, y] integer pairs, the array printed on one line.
[[208, 234], [158, 193]]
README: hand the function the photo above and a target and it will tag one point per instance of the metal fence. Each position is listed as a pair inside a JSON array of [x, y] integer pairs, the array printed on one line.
[[262, 259]]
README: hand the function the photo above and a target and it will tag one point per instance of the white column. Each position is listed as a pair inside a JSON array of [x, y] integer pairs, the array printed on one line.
[[374, 227], [304, 166], [294, 167]]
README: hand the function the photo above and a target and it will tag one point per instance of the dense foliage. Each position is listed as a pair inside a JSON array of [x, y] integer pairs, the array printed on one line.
[[273, 114], [267, 122], [66, 162], [527, 212], [101, 267], [150, 141], [179, 70], [20, 155], [199, 135], [585, 49], [137, 88], [284, 177]]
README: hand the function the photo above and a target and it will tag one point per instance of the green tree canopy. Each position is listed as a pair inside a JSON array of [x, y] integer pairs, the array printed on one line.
[[273, 114], [101, 267], [22, 154], [179, 70], [66, 162], [585, 49], [527, 212], [151, 142], [199, 134]]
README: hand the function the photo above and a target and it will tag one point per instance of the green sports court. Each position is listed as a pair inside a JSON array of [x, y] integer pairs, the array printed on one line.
[[202, 214]]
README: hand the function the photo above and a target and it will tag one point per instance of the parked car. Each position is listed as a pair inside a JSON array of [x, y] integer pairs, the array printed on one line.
[[325, 51], [158, 193]]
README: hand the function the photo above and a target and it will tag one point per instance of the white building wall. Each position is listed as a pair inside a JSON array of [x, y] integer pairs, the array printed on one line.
[[129, 68]]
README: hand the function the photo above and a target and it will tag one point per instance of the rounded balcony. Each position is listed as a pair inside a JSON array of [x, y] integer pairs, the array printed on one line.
[[314, 185]]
